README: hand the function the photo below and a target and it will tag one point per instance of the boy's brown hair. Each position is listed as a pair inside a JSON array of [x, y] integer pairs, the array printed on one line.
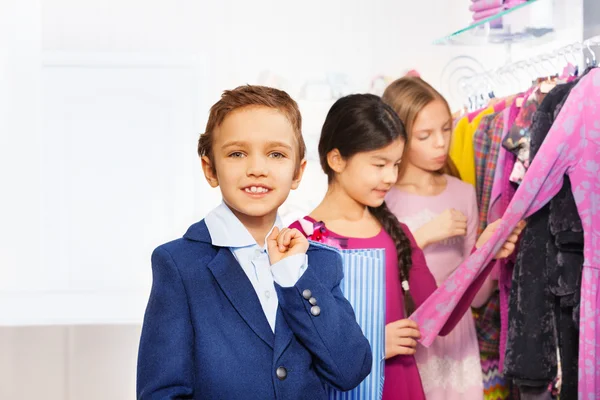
[[248, 96]]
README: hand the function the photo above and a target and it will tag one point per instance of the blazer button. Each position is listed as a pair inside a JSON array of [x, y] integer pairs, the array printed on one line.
[[312, 301], [281, 373], [315, 311], [307, 294]]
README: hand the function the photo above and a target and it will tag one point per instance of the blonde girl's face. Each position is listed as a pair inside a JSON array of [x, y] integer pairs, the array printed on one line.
[[430, 137]]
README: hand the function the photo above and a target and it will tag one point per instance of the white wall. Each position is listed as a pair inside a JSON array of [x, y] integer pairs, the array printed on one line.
[[104, 105], [101, 104], [68, 363]]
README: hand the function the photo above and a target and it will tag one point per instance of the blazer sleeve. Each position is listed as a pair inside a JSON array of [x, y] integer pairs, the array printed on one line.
[[165, 367], [341, 353]]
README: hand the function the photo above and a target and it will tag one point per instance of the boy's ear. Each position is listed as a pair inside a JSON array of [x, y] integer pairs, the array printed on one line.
[[209, 172], [335, 161], [299, 174]]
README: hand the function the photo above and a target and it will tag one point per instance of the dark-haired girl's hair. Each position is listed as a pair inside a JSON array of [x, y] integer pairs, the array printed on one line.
[[359, 123]]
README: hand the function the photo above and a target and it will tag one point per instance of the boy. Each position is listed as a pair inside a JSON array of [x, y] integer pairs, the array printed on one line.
[[240, 307]]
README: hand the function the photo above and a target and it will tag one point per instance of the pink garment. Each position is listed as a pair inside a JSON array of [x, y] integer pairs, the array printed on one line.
[[485, 5], [500, 106], [479, 15], [571, 147], [490, 11], [450, 368], [513, 3], [495, 210], [413, 72], [471, 116], [502, 193]]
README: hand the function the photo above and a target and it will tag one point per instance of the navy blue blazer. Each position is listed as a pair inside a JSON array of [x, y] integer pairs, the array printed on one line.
[[205, 335]]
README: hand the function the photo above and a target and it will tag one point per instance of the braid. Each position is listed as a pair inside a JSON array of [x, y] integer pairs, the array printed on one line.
[[391, 225]]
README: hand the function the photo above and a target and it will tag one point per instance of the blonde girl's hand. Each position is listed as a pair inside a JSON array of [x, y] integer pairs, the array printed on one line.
[[449, 223], [509, 245]]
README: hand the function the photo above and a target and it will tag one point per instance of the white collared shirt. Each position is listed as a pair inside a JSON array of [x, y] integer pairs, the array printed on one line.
[[226, 230]]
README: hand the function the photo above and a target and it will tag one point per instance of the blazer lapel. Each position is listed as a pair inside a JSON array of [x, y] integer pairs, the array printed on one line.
[[240, 292], [283, 335]]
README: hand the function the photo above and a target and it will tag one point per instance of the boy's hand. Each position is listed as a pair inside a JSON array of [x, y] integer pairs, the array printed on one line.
[[285, 243]]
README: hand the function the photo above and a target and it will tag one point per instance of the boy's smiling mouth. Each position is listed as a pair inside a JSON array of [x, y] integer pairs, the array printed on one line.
[[257, 190]]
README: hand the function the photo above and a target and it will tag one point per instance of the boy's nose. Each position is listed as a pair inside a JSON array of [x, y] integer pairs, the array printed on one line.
[[256, 166]]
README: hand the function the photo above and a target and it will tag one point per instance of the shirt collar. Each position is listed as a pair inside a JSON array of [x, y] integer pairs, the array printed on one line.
[[226, 230]]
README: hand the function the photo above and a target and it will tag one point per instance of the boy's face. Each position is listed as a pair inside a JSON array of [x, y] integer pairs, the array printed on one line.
[[255, 155]]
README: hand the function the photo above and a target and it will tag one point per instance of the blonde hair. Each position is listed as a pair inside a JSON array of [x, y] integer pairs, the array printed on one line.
[[408, 96]]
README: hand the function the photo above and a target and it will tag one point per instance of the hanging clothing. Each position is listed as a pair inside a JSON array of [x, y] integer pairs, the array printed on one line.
[[461, 149], [571, 147], [457, 146], [496, 205], [450, 368], [481, 147], [507, 192], [487, 143], [545, 290], [487, 322], [520, 133]]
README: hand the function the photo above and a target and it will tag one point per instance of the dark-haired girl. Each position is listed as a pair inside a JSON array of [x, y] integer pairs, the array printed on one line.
[[360, 148]]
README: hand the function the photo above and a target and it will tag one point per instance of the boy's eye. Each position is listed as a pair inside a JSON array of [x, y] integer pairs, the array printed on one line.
[[236, 154], [277, 154], [380, 165]]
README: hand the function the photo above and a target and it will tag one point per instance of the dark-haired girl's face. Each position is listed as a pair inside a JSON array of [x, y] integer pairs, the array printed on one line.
[[367, 176]]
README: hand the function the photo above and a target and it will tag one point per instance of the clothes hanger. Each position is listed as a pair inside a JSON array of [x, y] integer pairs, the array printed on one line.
[[549, 74], [588, 62], [511, 72]]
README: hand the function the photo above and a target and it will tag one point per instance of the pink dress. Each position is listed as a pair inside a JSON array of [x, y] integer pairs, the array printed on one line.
[[402, 380], [450, 368], [571, 147]]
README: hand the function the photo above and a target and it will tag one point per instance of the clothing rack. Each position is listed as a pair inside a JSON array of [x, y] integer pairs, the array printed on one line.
[[516, 76], [532, 150]]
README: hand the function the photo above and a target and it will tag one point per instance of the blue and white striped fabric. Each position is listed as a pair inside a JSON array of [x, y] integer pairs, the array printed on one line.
[[364, 287]]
